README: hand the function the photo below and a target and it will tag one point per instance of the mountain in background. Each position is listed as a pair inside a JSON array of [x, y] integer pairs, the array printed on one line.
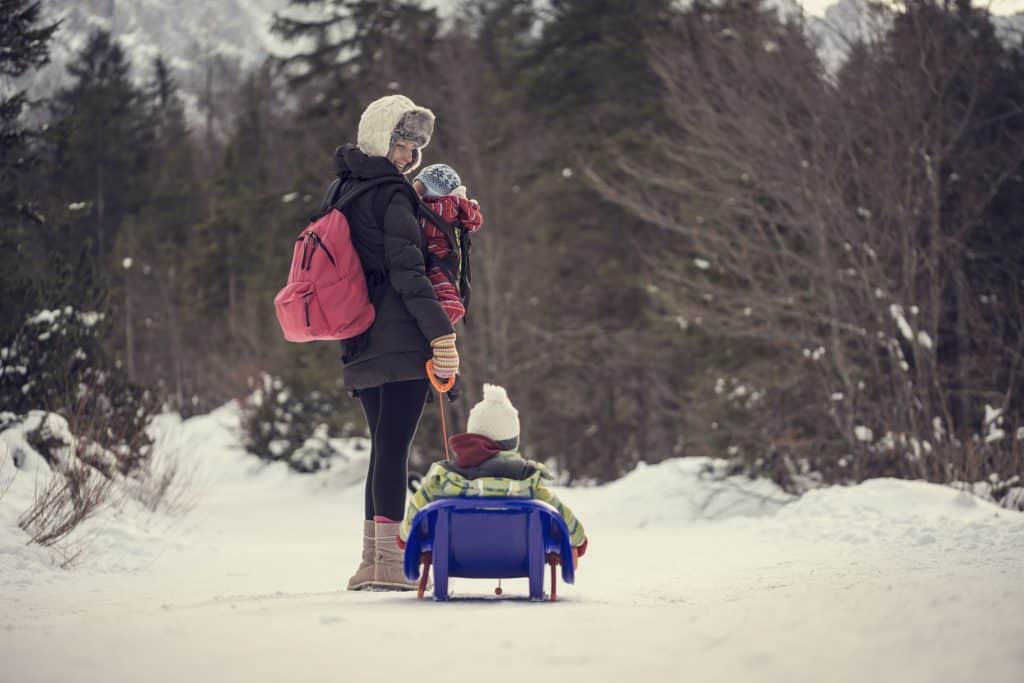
[[849, 21], [207, 44], [1010, 28], [203, 42], [845, 23]]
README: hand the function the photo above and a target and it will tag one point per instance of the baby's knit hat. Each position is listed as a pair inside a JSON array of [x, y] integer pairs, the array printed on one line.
[[495, 417], [439, 179]]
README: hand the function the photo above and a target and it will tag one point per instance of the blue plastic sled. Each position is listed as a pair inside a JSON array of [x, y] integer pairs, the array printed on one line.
[[488, 538]]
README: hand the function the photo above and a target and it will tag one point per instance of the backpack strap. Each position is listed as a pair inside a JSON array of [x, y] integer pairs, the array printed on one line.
[[334, 199], [383, 200], [341, 202], [330, 197]]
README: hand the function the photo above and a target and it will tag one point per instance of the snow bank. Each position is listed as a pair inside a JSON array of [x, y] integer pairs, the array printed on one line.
[[121, 536], [210, 448], [905, 513], [890, 500], [211, 464], [675, 491]]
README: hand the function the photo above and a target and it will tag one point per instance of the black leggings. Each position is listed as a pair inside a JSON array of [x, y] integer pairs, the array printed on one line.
[[393, 412]]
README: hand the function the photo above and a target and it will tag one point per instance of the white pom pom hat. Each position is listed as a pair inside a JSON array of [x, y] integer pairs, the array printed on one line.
[[494, 417]]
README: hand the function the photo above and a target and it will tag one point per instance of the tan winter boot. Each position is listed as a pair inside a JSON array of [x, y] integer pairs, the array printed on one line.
[[387, 571], [363, 578]]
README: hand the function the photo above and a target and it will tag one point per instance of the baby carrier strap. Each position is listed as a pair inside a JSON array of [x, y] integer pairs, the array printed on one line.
[[456, 266]]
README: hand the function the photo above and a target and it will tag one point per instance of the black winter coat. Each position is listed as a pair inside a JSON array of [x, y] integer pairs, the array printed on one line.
[[408, 314]]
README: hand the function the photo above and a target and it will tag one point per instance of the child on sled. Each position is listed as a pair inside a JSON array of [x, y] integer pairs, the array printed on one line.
[[487, 463]]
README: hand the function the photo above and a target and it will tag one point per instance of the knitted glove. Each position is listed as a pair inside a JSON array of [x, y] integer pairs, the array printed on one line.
[[446, 357]]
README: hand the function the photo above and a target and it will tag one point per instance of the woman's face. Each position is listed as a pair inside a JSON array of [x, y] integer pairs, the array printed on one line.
[[402, 154]]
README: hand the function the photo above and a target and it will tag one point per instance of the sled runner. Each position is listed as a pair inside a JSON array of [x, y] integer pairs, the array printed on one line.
[[488, 538]]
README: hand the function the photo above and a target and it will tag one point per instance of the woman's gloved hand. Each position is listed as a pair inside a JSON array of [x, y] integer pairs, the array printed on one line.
[[446, 356], [456, 391]]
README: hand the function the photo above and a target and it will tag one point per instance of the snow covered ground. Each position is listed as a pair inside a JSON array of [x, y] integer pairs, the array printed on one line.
[[685, 580]]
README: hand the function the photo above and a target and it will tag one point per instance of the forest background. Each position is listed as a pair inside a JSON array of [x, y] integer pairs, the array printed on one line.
[[699, 238]]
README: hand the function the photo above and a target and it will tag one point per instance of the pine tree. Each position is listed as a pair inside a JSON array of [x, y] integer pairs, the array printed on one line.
[[164, 102], [103, 140], [591, 60], [24, 46], [361, 49], [503, 31], [155, 242], [591, 90]]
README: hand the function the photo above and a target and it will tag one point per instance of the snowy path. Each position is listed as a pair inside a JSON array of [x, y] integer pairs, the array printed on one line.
[[889, 581]]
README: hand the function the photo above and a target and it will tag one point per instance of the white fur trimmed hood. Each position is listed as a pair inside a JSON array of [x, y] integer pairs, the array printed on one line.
[[394, 117]]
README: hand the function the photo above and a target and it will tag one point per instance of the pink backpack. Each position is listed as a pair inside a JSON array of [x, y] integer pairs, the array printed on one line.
[[326, 296]]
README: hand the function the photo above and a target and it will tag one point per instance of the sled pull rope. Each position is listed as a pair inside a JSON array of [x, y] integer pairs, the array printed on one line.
[[425, 558], [441, 388]]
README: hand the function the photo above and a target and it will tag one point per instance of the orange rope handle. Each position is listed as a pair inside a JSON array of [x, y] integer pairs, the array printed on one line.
[[442, 389]]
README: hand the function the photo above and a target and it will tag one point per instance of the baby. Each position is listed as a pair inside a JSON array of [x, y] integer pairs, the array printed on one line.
[[443, 193]]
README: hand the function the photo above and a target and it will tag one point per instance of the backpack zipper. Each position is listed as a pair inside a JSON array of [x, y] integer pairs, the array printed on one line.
[[307, 255], [320, 243]]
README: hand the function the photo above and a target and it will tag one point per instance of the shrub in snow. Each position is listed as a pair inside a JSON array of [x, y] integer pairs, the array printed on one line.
[[69, 406], [1008, 492], [71, 496], [56, 362], [61, 469], [281, 423], [315, 452]]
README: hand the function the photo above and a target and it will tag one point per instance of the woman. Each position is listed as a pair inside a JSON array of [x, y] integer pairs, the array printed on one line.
[[385, 367]]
